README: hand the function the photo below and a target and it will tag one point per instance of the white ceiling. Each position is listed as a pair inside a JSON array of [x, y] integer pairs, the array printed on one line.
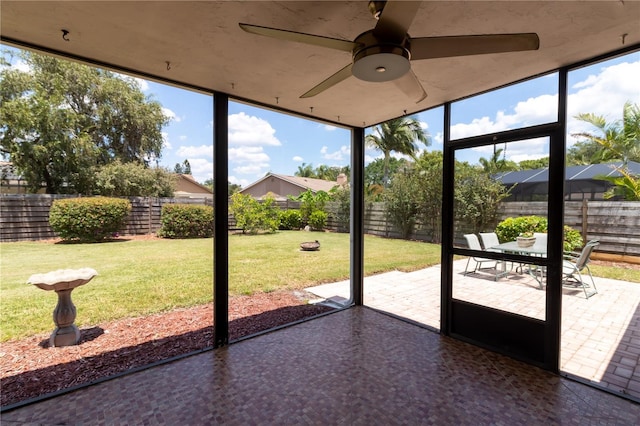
[[206, 48]]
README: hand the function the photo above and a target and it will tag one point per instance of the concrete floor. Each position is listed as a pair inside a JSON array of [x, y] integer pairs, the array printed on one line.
[[600, 335], [352, 367]]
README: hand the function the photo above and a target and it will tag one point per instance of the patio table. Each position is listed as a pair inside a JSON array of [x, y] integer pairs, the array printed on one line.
[[514, 248]]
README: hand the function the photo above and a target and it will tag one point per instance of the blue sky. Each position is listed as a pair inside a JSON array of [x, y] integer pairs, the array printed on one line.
[[262, 140]]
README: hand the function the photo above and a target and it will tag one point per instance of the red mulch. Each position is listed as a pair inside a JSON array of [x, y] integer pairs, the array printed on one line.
[[30, 368]]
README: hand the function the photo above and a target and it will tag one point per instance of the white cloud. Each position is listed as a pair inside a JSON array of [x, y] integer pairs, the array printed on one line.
[[329, 128], [252, 154], [182, 137], [242, 182], [195, 151], [478, 126], [170, 115], [601, 94], [297, 159], [248, 130], [142, 84], [201, 169], [343, 153]]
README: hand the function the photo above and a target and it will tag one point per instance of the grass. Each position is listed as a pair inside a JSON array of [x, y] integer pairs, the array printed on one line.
[[142, 277]]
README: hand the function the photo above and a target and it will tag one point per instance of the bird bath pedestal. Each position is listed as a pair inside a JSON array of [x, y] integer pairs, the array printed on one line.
[[63, 282]]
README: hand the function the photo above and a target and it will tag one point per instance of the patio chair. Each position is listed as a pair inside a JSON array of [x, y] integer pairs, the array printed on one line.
[[540, 244], [489, 239], [574, 265], [474, 244]]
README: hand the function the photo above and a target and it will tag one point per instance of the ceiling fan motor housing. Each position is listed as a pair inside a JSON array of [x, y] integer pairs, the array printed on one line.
[[377, 61]]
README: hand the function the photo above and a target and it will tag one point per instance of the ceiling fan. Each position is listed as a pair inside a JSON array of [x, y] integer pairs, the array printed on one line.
[[384, 53]]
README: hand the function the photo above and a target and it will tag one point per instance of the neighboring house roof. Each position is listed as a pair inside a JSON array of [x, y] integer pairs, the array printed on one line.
[[301, 183], [187, 186], [313, 184], [573, 173]]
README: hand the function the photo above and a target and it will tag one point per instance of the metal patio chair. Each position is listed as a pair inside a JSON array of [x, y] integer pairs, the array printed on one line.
[[474, 244], [574, 265]]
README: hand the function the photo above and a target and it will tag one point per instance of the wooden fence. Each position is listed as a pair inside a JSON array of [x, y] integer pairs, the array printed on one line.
[[25, 217], [616, 224]]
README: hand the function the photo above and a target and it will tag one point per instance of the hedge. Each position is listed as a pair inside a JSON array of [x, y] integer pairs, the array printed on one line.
[[88, 219]]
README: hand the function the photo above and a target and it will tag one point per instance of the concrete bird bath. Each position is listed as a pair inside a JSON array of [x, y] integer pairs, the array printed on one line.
[[63, 281]]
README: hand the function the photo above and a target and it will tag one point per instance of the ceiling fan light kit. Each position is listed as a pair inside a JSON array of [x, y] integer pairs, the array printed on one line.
[[385, 53], [381, 63]]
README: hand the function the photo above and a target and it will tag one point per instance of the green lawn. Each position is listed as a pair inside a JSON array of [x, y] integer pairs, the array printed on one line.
[[142, 277]]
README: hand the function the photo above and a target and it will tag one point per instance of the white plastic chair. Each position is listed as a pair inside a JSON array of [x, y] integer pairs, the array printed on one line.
[[474, 244], [489, 239]]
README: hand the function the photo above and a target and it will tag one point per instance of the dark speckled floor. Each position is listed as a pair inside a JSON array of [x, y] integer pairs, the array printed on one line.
[[353, 367]]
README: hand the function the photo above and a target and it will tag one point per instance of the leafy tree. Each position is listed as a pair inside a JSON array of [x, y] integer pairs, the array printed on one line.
[[183, 169], [398, 135], [626, 186], [62, 120], [231, 187], [374, 171], [134, 180], [310, 202], [305, 170], [401, 202], [583, 153], [429, 193], [496, 164], [476, 197], [539, 163], [618, 140], [329, 172], [341, 198], [253, 216]]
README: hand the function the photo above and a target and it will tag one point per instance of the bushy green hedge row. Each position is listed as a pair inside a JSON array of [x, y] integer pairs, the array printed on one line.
[[290, 219], [253, 216], [88, 219], [186, 221], [512, 227]]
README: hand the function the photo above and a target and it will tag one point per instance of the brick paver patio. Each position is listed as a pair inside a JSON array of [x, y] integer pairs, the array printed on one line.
[[600, 335]]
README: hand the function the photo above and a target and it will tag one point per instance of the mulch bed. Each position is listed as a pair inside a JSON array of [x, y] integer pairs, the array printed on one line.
[[30, 368]]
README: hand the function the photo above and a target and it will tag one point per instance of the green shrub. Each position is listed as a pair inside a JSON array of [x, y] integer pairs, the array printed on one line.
[[253, 216], [318, 220], [511, 227], [572, 239], [186, 221], [290, 219], [88, 219]]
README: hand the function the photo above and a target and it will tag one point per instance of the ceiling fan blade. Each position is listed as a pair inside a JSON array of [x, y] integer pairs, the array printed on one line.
[[444, 47], [330, 82], [331, 43], [410, 85], [395, 20]]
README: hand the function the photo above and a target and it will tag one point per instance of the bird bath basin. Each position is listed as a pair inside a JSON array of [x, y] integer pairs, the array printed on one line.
[[63, 281], [310, 246]]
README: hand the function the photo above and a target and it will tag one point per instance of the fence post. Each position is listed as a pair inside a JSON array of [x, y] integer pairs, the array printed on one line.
[[585, 218], [150, 209]]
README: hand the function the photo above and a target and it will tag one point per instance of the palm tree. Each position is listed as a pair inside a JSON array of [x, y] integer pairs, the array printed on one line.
[[397, 135], [618, 140], [496, 164], [305, 170]]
